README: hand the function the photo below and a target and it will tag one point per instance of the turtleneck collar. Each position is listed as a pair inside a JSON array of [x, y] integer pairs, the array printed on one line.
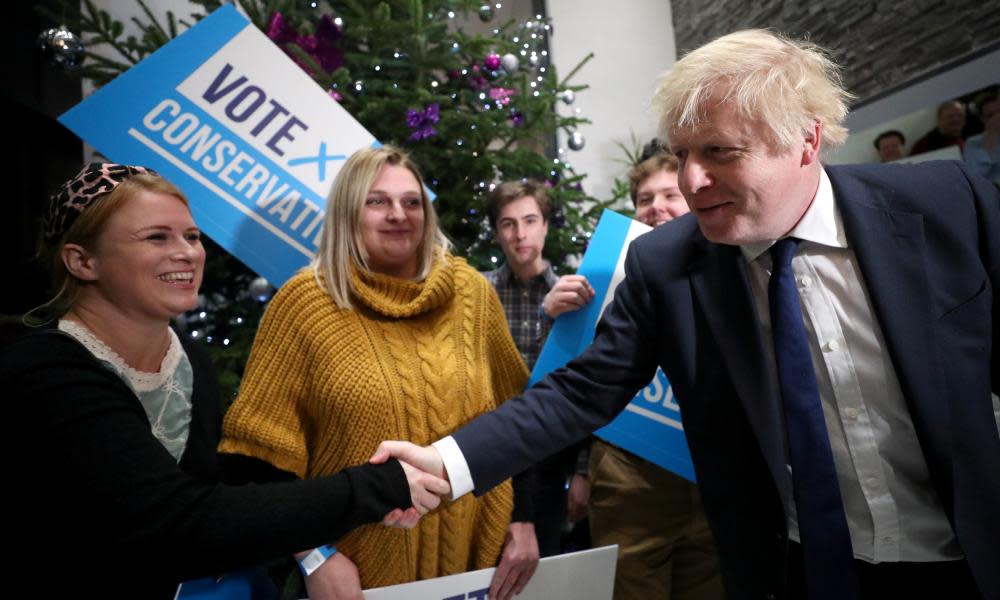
[[401, 298]]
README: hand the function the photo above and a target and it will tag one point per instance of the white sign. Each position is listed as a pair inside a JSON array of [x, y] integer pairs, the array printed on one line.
[[586, 575]]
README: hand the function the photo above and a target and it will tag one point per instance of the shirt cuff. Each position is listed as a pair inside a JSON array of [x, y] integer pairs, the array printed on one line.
[[544, 315], [454, 464]]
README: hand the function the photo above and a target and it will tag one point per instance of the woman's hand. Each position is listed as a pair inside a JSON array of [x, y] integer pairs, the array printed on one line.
[[336, 579], [517, 563]]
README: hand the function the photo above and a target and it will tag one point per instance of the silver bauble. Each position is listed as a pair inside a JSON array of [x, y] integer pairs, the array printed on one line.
[[567, 96], [486, 13], [61, 47], [260, 290], [576, 141], [510, 62]]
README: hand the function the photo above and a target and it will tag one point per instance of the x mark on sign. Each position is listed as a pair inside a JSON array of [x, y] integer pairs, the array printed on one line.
[[320, 159]]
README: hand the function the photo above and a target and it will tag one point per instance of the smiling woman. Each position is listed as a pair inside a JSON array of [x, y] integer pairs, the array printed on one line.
[[385, 336], [121, 417], [392, 222]]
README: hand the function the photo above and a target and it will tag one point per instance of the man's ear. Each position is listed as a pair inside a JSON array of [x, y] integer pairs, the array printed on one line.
[[79, 262], [813, 140]]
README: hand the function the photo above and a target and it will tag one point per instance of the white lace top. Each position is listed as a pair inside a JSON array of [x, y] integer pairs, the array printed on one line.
[[164, 395]]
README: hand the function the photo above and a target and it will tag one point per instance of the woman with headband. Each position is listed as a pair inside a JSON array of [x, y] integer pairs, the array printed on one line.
[[117, 418]]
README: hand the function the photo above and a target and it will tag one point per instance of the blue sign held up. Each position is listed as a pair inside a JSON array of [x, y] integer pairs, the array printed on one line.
[[247, 135], [650, 426]]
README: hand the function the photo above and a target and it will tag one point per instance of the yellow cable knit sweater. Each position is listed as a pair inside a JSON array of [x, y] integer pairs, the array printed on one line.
[[413, 361]]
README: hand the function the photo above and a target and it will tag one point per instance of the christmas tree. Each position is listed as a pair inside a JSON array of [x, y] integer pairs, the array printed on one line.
[[472, 110]]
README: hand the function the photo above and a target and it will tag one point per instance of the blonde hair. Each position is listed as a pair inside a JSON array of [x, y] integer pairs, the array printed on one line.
[[341, 247], [85, 232], [785, 84]]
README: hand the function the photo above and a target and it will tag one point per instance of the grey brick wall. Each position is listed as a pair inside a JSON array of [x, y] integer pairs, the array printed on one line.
[[879, 44]]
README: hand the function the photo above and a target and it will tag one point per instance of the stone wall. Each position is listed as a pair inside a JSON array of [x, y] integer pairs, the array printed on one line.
[[879, 44]]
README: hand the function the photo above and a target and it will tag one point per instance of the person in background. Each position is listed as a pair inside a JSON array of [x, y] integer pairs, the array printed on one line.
[[982, 152], [948, 132], [385, 334], [889, 145], [116, 417], [525, 283]]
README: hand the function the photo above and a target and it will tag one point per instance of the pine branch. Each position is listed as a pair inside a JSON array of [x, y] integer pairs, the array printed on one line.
[[575, 70], [154, 24]]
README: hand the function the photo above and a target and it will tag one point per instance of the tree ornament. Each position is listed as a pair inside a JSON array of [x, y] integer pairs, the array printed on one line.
[[501, 95], [492, 61], [510, 63], [61, 47], [421, 122], [576, 141], [260, 290], [567, 96], [486, 13]]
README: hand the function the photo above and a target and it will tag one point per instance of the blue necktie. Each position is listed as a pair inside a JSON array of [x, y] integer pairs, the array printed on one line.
[[826, 541]]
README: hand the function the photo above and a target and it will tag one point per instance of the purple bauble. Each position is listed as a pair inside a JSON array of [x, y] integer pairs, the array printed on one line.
[[492, 62]]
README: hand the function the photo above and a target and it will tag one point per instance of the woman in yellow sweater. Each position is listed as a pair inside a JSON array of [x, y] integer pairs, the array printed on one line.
[[386, 335]]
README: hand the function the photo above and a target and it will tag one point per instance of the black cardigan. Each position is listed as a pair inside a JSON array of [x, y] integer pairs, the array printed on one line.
[[101, 506]]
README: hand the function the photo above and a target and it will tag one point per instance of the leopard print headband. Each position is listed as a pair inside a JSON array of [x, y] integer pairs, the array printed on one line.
[[95, 181]]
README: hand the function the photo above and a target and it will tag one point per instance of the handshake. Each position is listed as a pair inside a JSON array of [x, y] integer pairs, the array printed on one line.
[[428, 480], [425, 474]]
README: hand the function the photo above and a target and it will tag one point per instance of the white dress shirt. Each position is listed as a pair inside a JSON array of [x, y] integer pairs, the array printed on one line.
[[892, 510]]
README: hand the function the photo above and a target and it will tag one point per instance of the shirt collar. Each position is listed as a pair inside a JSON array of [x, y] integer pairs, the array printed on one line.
[[821, 223], [506, 275]]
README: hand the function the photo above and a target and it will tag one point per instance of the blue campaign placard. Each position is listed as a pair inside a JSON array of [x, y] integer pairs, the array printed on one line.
[[252, 141], [650, 426]]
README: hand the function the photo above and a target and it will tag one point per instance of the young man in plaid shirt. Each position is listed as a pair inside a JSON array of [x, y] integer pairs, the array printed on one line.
[[532, 296]]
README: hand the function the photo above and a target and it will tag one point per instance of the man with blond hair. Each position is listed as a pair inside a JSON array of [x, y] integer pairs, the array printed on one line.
[[829, 334]]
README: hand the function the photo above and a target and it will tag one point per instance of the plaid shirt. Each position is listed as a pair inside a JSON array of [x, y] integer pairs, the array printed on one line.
[[522, 302]]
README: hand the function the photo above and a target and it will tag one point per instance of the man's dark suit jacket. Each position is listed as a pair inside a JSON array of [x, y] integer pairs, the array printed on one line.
[[927, 239]]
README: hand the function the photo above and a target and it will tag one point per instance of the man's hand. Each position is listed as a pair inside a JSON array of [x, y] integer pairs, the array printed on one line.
[[517, 563], [578, 498], [425, 475], [336, 579], [425, 490], [571, 292], [425, 458]]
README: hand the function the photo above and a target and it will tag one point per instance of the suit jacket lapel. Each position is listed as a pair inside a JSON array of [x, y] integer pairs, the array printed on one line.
[[721, 286], [891, 250]]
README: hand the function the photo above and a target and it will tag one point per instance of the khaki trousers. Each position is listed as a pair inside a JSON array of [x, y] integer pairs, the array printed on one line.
[[665, 548]]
